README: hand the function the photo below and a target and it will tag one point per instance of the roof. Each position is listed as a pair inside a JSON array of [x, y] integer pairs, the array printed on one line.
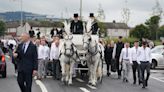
[[111, 25], [45, 24], [12, 24]]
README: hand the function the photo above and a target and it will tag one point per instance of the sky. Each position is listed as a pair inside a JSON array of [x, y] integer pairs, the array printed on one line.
[[140, 10]]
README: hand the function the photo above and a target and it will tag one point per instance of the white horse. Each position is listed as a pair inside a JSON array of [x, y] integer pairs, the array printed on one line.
[[68, 56], [94, 58]]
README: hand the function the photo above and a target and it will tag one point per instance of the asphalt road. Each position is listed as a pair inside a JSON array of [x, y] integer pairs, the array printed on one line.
[[109, 84]]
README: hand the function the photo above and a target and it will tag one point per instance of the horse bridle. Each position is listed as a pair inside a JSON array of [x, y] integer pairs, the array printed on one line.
[[71, 49], [88, 43]]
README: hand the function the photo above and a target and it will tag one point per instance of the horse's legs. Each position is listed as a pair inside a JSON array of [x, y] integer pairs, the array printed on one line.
[[71, 73], [90, 73], [63, 71], [95, 70], [67, 72]]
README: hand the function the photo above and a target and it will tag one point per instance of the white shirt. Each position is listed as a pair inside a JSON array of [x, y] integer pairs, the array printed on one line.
[[125, 54], [144, 55], [46, 52], [134, 53], [54, 52], [26, 44], [41, 52]]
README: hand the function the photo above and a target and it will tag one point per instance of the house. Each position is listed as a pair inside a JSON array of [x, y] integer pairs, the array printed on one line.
[[43, 26], [117, 29], [12, 28]]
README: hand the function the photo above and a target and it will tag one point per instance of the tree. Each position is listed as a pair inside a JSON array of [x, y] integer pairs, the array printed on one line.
[[161, 31], [157, 9], [153, 26], [2, 28], [101, 14], [102, 28], [140, 31], [126, 13]]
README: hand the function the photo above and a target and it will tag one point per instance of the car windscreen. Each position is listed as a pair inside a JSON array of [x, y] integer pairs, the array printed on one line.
[[158, 49]]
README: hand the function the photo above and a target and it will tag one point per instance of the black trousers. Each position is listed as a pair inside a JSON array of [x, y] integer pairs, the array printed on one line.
[[136, 69], [118, 66], [108, 63], [145, 66], [56, 69], [25, 81]]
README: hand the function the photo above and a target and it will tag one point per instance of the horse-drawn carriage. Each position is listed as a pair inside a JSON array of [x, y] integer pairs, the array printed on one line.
[[83, 49]]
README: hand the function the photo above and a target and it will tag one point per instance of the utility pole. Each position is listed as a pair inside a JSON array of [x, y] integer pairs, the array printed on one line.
[[126, 15], [81, 6], [21, 22]]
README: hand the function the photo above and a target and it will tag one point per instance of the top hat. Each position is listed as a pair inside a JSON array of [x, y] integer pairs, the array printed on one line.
[[91, 15], [75, 15]]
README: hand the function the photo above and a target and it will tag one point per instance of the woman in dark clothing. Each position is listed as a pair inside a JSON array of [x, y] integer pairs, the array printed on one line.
[[108, 55]]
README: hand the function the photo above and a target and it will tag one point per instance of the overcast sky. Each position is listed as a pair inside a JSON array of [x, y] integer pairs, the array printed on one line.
[[140, 9]]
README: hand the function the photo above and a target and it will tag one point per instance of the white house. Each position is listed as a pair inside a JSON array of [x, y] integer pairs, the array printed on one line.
[[12, 28], [43, 27], [117, 29]]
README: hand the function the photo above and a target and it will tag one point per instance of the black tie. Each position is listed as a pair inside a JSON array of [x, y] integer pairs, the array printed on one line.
[[126, 52], [23, 47]]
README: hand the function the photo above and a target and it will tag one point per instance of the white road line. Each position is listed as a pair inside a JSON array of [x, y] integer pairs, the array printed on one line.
[[92, 87], [157, 79], [42, 86], [84, 89], [80, 80]]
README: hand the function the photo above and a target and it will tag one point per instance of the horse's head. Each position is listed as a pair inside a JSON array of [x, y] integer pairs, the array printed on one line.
[[86, 40], [68, 46]]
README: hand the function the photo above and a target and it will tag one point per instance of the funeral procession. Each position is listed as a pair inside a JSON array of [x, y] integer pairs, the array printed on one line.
[[82, 46]]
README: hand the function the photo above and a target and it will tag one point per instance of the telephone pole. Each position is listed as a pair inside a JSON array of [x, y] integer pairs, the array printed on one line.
[[81, 6]]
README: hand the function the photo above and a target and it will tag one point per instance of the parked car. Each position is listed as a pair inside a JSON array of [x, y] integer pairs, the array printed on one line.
[[2, 64], [157, 56]]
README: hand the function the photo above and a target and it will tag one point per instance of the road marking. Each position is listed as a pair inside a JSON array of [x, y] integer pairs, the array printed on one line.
[[42, 86], [157, 79], [92, 87], [84, 89], [80, 80]]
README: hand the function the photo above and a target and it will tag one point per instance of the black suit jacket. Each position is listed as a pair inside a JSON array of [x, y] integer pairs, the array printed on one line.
[[76, 27], [27, 61]]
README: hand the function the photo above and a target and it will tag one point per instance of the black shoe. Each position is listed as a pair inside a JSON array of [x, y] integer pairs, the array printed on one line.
[[108, 74], [126, 81], [143, 86], [119, 77], [139, 82], [134, 82]]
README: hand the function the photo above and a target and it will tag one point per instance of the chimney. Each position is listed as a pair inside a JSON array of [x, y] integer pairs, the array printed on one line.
[[114, 21]]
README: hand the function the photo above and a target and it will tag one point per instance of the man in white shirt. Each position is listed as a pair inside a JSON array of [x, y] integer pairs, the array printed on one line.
[[135, 66], [144, 59], [54, 56], [46, 55], [125, 57], [40, 60]]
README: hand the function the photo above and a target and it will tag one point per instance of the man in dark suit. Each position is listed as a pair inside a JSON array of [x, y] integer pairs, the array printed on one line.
[[116, 55], [27, 62], [76, 25], [94, 25], [31, 32]]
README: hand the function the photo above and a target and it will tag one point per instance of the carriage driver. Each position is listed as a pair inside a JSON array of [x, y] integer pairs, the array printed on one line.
[[76, 25], [94, 24]]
